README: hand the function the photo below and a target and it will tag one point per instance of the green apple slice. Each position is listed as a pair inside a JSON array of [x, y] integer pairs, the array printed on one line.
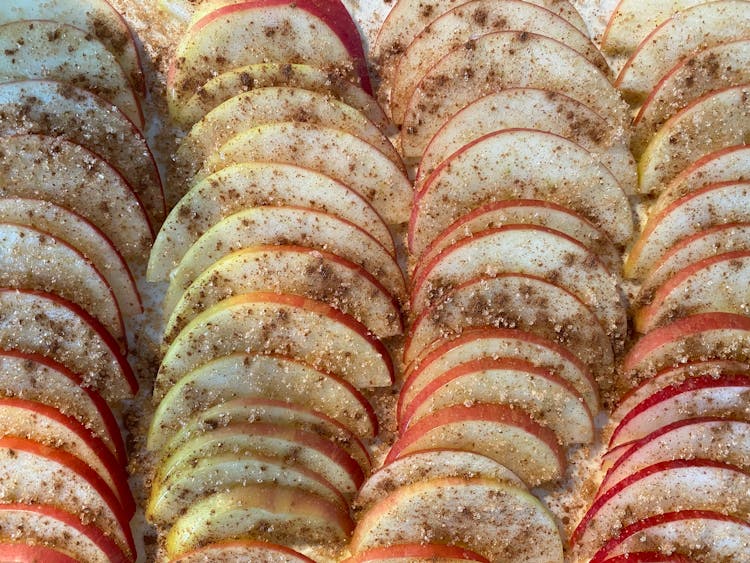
[[62, 110], [533, 108], [277, 378], [298, 270], [468, 21], [31, 165], [513, 526], [497, 61], [278, 324], [519, 164], [279, 514], [286, 225], [57, 51], [238, 550], [256, 184], [716, 120], [697, 27]]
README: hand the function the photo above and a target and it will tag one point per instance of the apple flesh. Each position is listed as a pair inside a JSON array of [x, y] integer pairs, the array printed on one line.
[[243, 549], [22, 552], [417, 553]]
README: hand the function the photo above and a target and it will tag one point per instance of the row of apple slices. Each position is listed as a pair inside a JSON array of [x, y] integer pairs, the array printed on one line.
[[283, 282]]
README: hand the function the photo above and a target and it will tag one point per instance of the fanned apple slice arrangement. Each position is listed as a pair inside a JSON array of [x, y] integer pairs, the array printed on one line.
[[80, 196], [677, 460], [284, 283]]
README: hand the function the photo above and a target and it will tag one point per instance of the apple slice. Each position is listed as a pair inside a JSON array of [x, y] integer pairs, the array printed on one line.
[[261, 75], [501, 165], [278, 324], [358, 164], [520, 302], [63, 390], [321, 34], [696, 484], [468, 21], [713, 438], [32, 259], [533, 108], [289, 226], [696, 27], [31, 165], [97, 17], [238, 550], [430, 464], [548, 399], [530, 250], [48, 525], [251, 376], [711, 536], [509, 436], [62, 110], [705, 395], [649, 557], [34, 473], [93, 244], [45, 324], [259, 511], [512, 526], [276, 104], [476, 344], [417, 553], [717, 283], [714, 68], [715, 204], [501, 60], [719, 119], [22, 552], [259, 184], [43, 49]]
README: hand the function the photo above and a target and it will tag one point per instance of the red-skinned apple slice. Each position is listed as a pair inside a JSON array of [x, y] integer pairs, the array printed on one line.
[[704, 395], [50, 50], [546, 398], [468, 21], [41, 423], [209, 45], [429, 464], [501, 166], [533, 108], [29, 553], [273, 377], [514, 301], [514, 526], [259, 511], [650, 557], [61, 110], [49, 525], [717, 283], [85, 237], [417, 553], [495, 61], [97, 17], [261, 75], [531, 250], [313, 273], [278, 324], [696, 484], [719, 119], [34, 473], [476, 344], [257, 184], [507, 435], [292, 226], [717, 67], [358, 164], [31, 165], [697, 27], [243, 549], [709, 535], [715, 204], [40, 323]]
